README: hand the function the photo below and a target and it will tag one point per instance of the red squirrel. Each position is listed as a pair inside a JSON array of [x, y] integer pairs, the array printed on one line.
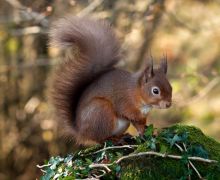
[[94, 100]]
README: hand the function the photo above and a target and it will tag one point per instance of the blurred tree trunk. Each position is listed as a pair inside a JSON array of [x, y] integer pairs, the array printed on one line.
[[153, 15]]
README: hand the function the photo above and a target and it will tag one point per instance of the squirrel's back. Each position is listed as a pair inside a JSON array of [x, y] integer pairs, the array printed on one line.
[[89, 50]]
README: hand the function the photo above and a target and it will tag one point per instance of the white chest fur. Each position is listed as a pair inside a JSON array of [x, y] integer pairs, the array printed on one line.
[[121, 126], [145, 109]]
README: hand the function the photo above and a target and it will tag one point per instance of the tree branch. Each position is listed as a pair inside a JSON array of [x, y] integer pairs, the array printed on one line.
[[190, 163], [29, 14], [115, 147], [91, 7], [105, 166], [164, 156]]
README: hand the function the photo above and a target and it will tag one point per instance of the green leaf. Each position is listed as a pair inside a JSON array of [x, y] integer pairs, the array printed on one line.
[[85, 172], [184, 158], [100, 156], [185, 136], [118, 168], [109, 143], [149, 131], [49, 174], [78, 162], [89, 161], [68, 158], [55, 161], [198, 150], [69, 178], [172, 138], [163, 148], [119, 154], [152, 143], [138, 140], [175, 139]]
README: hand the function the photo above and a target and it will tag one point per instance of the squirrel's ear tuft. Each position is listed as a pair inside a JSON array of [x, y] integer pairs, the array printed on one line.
[[148, 72], [163, 64]]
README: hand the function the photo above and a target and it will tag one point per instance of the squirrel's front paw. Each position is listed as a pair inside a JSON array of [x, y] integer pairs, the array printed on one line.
[[123, 139]]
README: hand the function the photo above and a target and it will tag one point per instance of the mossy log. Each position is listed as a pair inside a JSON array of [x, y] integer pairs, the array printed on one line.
[[164, 168], [182, 141]]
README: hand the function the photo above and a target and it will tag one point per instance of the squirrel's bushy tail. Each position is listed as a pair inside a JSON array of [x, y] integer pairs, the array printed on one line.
[[90, 49]]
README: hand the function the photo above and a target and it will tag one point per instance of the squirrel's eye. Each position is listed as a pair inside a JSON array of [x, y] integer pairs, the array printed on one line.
[[155, 91]]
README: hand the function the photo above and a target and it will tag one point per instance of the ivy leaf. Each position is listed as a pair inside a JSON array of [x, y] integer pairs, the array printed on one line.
[[85, 172], [66, 172], [198, 151], [49, 174], [153, 144], [69, 178], [110, 156], [89, 161], [78, 162], [68, 158], [119, 154], [184, 158], [118, 168], [100, 156], [175, 139], [109, 143], [149, 131], [184, 136], [163, 148], [138, 140], [55, 161]]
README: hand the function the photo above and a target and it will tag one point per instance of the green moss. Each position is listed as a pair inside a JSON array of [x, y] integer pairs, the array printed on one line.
[[196, 136], [152, 168], [145, 167], [142, 148], [164, 168], [90, 149], [157, 168]]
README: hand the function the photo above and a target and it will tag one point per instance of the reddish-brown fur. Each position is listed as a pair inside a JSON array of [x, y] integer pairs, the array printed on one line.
[[93, 99]]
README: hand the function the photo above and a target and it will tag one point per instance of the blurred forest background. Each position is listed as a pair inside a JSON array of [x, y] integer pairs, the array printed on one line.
[[188, 31]]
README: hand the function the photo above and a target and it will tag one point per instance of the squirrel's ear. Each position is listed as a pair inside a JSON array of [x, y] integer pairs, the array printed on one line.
[[148, 72], [163, 64]]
